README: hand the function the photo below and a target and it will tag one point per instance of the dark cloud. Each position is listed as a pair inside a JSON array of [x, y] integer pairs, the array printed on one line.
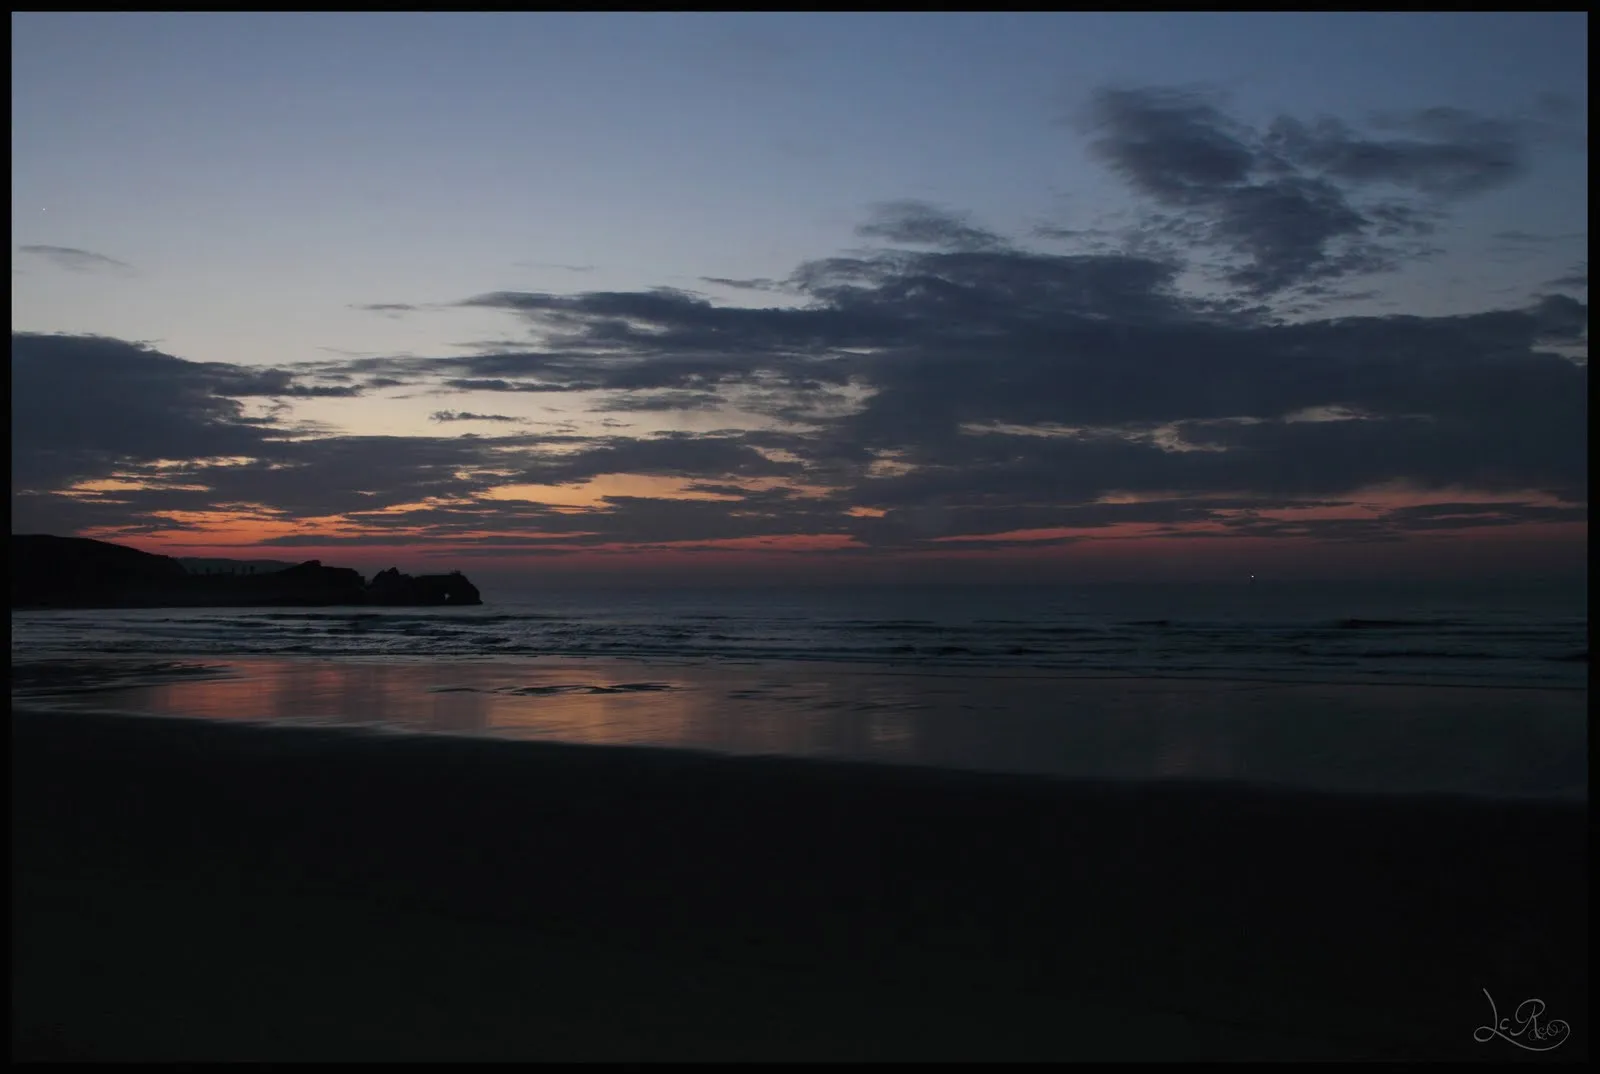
[[1444, 151], [243, 382], [1561, 318], [918, 223], [392, 310], [1576, 280], [332, 475], [663, 400], [1325, 529], [676, 455], [461, 415], [755, 284], [1172, 144], [130, 512], [659, 339], [1440, 516], [1007, 382], [1501, 451], [487, 384], [75, 260], [1299, 202], [965, 387], [92, 408], [1084, 236], [635, 520], [82, 406]]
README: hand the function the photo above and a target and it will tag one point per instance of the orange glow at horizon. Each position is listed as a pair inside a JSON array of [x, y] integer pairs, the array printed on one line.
[[242, 530], [592, 493], [126, 484]]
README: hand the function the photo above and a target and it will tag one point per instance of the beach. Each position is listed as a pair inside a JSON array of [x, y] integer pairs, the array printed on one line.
[[1480, 741], [781, 537], [199, 889]]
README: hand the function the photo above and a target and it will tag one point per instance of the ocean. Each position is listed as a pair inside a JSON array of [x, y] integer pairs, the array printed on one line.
[[1371, 689], [1529, 636]]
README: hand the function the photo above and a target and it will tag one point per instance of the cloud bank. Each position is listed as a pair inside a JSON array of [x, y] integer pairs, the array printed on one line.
[[75, 260], [947, 389]]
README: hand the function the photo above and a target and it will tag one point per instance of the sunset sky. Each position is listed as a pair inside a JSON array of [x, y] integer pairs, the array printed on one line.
[[807, 297]]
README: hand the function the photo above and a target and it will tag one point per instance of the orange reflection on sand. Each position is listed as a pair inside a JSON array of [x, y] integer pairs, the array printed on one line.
[[593, 703], [1363, 738]]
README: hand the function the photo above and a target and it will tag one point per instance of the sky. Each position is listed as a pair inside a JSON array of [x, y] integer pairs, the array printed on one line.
[[809, 297]]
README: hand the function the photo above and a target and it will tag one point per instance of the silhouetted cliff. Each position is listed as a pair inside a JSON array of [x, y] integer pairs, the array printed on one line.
[[75, 572], [392, 587], [307, 583], [48, 571]]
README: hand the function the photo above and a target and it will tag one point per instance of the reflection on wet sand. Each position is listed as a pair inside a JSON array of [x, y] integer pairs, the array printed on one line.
[[1466, 740]]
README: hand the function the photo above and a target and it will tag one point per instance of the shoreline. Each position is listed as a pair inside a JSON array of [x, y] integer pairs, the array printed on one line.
[[864, 666], [1491, 741], [1312, 924]]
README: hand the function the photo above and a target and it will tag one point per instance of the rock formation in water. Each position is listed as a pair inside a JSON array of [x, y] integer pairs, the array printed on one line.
[[392, 587], [76, 572]]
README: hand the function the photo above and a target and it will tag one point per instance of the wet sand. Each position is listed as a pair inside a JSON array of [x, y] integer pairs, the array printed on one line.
[[188, 889], [1326, 736]]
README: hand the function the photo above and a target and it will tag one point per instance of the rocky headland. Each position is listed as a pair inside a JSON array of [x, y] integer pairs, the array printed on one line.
[[76, 572]]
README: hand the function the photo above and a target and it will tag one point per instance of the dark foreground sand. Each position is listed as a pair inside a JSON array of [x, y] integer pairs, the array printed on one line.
[[194, 890]]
